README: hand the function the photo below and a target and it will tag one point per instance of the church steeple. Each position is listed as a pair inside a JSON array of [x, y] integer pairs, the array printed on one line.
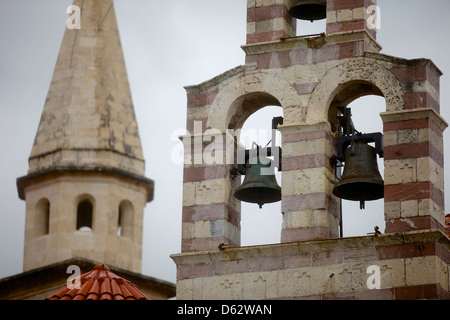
[[86, 167], [88, 119]]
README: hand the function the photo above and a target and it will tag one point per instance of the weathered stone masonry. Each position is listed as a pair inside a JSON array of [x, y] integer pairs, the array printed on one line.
[[309, 77]]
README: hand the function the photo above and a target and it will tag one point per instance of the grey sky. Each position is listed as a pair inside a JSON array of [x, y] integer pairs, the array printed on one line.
[[168, 45]]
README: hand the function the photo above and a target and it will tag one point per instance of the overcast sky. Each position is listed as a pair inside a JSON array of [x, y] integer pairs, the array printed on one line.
[[169, 45]]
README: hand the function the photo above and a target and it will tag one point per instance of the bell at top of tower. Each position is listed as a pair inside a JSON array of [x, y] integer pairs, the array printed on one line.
[[309, 10]]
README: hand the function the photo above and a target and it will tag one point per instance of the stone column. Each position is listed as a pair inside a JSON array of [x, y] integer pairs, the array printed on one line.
[[269, 20], [414, 153], [310, 211], [414, 173], [352, 15], [211, 214]]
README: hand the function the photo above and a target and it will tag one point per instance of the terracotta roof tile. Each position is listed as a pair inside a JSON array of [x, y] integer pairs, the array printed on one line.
[[100, 284]]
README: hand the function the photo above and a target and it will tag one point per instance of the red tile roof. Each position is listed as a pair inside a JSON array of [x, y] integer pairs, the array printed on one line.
[[100, 284]]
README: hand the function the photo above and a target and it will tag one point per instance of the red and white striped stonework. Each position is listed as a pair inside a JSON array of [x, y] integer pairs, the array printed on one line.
[[309, 77]]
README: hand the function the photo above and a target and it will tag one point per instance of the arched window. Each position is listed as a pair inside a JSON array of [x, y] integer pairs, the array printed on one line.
[[84, 215], [261, 226], [125, 221], [42, 225]]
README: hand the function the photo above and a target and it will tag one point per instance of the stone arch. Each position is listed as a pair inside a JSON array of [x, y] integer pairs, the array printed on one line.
[[349, 81], [346, 83], [249, 93]]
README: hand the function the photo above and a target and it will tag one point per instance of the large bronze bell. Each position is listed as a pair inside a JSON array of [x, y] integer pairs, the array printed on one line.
[[309, 10], [260, 184], [361, 179]]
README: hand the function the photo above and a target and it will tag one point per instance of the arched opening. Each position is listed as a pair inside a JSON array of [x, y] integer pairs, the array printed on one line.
[[84, 215], [42, 225], [247, 105], [125, 219], [261, 225], [365, 111], [335, 90]]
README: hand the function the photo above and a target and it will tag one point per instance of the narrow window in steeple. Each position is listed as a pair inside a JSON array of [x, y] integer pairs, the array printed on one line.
[[42, 225], [84, 215], [125, 222], [119, 223]]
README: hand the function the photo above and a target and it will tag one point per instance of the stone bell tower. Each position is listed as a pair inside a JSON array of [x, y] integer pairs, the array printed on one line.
[[85, 190], [313, 79]]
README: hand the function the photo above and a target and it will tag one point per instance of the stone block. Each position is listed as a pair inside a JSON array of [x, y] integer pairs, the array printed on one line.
[[409, 208], [420, 270], [400, 171], [331, 17], [226, 287], [251, 27], [442, 274], [390, 138], [344, 15], [201, 229], [260, 285], [211, 191], [319, 146], [408, 136], [307, 181], [360, 13], [184, 289], [306, 219], [429, 170]]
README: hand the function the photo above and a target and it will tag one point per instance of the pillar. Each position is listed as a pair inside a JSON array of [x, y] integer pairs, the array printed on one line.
[[211, 214], [414, 154], [310, 211], [352, 15], [269, 20]]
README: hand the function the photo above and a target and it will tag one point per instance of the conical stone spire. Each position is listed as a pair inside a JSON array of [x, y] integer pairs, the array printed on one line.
[[88, 118], [88, 121]]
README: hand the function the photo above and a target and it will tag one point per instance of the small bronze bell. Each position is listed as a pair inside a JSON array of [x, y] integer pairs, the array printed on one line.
[[309, 10], [361, 179], [260, 184]]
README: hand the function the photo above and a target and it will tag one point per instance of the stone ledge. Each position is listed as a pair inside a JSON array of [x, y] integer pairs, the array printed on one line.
[[273, 250], [24, 181], [412, 265], [217, 80], [303, 42]]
